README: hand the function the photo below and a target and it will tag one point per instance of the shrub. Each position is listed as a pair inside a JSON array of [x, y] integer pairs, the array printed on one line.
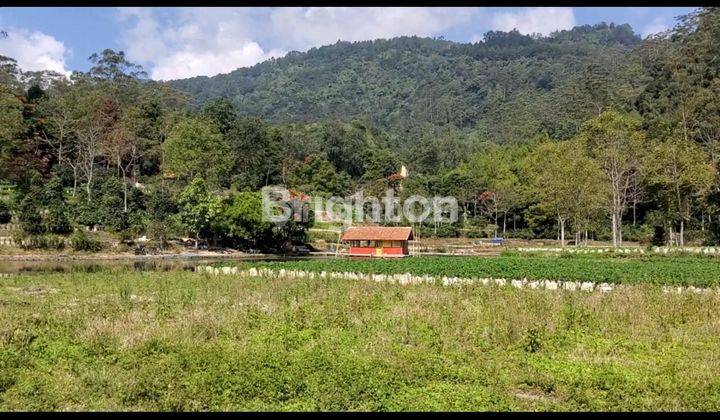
[[533, 340], [84, 213], [472, 232], [704, 237], [659, 237], [81, 241], [126, 235], [29, 217], [53, 242], [49, 242], [160, 232], [121, 247], [5, 216], [55, 221], [443, 231], [321, 235], [525, 233], [639, 233]]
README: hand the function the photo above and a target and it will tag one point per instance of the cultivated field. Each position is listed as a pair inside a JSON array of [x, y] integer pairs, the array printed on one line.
[[191, 341], [695, 270]]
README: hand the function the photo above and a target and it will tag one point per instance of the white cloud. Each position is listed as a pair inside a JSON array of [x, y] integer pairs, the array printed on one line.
[[35, 50], [187, 63], [201, 41], [476, 38], [657, 25], [542, 20], [307, 27]]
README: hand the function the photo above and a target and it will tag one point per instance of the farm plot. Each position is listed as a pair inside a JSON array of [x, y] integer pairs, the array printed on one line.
[[125, 340], [659, 270]]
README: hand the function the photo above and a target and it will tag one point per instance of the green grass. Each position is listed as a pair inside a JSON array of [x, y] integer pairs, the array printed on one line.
[[662, 270], [125, 340]]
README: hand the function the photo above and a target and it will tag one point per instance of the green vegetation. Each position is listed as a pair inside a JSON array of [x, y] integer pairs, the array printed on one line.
[[129, 340], [589, 133], [630, 127], [5, 216], [506, 89], [81, 241], [660, 270]]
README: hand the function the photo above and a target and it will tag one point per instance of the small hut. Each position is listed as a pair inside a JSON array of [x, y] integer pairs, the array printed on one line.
[[377, 241]]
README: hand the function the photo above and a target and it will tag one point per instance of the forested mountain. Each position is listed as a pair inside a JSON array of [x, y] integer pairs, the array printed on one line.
[[507, 88]]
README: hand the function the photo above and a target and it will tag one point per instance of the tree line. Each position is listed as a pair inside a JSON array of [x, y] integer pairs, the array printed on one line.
[[625, 149]]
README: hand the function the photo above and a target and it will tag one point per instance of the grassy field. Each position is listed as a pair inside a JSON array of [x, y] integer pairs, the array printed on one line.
[[662, 270], [125, 340]]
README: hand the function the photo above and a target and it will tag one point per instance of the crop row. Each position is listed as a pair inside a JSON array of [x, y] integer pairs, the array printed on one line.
[[671, 271], [697, 250]]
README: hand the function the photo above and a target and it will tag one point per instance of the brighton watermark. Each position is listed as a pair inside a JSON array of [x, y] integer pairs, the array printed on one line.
[[280, 206]]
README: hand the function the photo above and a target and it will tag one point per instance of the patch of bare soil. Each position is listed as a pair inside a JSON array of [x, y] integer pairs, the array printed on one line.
[[38, 290], [533, 395]]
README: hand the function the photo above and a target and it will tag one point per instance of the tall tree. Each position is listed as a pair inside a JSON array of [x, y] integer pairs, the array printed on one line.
[[196, 148], [12, 125], [616, 140], [566, 182], [121, 145], [114, 66], [195, 204], [88, 130], [683, 173], [255, 150], [222, 112], [494, 171]]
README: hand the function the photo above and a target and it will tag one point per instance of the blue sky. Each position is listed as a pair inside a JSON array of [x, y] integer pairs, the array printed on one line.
[[184, 42]]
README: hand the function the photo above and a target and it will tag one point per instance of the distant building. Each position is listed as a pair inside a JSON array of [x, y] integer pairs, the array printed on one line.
[[377, 241], [395, 180]]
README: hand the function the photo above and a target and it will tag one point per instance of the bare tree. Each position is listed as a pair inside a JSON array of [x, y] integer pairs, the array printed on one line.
[[121, 146], [636, 195], [60, 116], [88, 132]]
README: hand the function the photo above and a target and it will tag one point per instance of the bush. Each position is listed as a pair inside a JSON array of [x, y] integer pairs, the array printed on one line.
[[5, 216], [472, 232], [659, 236], [56, 221], [84, 213], [53, 242], [443, 231], [121, 247], [321, 235], [159, 232], [43, 209], [704, 237], [81, 241], [30, 242], [525, 233], [29, 217], [638, 233]]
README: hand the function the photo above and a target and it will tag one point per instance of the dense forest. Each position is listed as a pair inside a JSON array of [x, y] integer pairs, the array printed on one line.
[[507, 88], [591, 132]]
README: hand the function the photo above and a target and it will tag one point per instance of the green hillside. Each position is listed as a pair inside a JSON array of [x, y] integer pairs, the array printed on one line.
[[509, 87]]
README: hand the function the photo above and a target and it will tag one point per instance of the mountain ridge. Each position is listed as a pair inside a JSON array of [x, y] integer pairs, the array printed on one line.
[[404, 83]]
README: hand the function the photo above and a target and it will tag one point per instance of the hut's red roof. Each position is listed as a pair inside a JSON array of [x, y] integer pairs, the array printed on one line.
[[377, 233]]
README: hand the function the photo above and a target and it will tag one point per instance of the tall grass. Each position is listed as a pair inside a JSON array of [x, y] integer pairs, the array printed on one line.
[[128, 340]]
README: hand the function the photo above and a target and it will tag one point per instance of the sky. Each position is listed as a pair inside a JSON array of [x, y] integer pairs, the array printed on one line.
[[174, 43]]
